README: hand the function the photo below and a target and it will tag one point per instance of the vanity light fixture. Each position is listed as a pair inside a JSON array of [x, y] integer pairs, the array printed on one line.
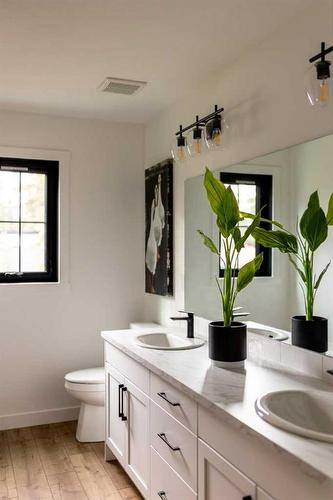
[[211, 125], [318, 82], [178, 151]]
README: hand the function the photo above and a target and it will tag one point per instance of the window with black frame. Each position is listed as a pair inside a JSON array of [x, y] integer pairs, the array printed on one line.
[[28, 220], [253, 192]]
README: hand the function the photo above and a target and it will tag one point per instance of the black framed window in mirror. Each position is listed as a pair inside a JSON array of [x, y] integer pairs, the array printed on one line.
[[253, 191], [28, 220]]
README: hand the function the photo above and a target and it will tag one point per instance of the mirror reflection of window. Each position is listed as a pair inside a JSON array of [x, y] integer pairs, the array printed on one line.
[[252, 191]]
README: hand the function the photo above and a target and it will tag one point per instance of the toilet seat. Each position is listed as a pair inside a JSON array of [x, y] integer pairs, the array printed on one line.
[[73, 386], [89, 376]]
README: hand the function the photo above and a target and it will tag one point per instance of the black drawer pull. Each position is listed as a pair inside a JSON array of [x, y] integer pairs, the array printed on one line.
[[164, 439], [123, 417], [162, 495], [120, 414], [163, 396], [247, 497]]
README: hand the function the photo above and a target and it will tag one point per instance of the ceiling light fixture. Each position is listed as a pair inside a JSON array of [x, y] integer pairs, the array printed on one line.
[[318, 82]]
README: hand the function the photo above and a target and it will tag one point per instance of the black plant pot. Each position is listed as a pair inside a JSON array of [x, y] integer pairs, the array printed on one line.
[[309, 334], [227, 344]]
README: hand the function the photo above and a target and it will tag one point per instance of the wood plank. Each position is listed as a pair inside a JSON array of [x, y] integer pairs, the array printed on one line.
[[19, 435], [66, 432], [95, 481], [29, 475], [130, 493], [66, 486], [113, 469], [7, 479], [53, 455]]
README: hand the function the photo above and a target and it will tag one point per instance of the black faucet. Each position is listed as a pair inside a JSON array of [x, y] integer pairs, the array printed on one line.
[[190, 322]]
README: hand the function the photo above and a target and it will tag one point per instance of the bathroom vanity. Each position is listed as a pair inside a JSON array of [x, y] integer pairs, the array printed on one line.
[[182, 429]]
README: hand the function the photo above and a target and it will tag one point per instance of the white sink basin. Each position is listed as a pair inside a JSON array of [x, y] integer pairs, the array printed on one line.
[[167, 342], [269, 334], [307, 413]]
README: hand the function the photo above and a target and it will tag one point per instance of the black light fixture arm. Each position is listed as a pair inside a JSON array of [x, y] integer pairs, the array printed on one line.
[[321, 55], [200, 122]]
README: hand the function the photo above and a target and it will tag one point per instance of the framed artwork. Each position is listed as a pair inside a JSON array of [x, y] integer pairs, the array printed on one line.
[[159, 228]]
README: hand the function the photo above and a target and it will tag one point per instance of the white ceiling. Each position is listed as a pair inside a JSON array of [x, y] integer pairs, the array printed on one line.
[[55, 53]]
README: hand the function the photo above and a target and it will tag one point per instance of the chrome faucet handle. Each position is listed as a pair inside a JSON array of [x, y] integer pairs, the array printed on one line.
[[239, 314]]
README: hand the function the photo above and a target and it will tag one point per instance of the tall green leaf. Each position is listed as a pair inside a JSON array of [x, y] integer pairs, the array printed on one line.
[[313, 224], [249, 230], [228, 213], [247, 272], [215, 191], [329, 216], [208, 242], [247, 215], [321, 275], [285, 242]]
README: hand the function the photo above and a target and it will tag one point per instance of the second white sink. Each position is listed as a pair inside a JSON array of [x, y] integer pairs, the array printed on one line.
[[167, 342], [307, 413]]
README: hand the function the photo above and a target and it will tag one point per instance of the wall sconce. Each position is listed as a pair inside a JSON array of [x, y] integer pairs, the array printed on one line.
[[318, 82], [210, 128]]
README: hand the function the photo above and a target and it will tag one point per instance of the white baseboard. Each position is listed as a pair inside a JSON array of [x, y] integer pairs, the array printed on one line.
[[17, 420]]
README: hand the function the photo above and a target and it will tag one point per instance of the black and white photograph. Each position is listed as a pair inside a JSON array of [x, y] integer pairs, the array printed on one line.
[[158, 203]]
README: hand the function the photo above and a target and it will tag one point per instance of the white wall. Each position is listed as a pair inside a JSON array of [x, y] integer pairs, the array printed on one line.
[[48, 330], [264, 96], [312, 168]]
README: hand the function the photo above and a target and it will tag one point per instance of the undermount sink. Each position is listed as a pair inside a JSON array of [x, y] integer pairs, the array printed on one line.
[[269, 334], [167, 342], [306, 413]]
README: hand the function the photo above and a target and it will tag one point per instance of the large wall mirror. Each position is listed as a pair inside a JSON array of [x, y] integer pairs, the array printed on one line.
[[283, 182]]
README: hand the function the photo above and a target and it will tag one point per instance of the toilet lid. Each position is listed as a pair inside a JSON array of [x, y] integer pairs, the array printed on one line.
[[87, 376]]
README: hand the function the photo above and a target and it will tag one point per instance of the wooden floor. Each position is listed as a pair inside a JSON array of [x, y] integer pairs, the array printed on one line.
[[46, 462]]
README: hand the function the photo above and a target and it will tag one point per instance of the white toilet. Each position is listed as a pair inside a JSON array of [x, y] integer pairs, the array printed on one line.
[[88, 387]]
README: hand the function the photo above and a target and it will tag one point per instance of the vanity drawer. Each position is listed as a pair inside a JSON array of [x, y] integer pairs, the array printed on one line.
[[132, 370], [165, 480], [176, 444], [175, 402]]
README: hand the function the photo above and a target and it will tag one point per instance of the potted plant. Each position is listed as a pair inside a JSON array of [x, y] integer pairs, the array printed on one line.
[[227, 338], [308, 331]]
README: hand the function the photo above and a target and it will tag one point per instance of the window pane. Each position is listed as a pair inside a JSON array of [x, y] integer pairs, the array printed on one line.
[[33, 247], [248, 252], [33, 197], [247, 198], [9, 196], [9, 248]]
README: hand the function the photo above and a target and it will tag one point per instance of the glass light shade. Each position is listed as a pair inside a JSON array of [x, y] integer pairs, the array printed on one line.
[[179, 151], [214, 133], [318, 92], [196, 145]]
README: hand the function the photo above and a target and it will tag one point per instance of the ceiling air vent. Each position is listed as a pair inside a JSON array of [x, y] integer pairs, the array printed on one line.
[[119, 86]]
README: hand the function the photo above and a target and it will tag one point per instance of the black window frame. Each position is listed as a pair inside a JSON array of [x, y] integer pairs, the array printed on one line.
[[264, 200], [51, 170]]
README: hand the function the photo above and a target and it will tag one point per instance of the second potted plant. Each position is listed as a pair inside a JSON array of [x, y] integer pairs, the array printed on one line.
[[227, 338], [308, 331]]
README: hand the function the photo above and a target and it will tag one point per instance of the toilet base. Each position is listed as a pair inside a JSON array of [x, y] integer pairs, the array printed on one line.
[[91, 424]]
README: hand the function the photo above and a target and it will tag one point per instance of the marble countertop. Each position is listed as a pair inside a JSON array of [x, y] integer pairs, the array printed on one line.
[[233, 393]]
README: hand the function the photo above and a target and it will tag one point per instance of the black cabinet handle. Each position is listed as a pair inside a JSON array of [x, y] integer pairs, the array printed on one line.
[[162, 495], [164, 439], [123, 417], [163, 396], [119, 406], [247, 497]]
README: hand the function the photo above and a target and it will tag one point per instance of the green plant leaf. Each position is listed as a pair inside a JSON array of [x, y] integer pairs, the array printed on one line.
[[329, 216], [247, 272], [298, 269], [208, 242], [321, 275], [285, 242], [249, 230], [215, 191], [247, 215], [236, 234], [313, 224]]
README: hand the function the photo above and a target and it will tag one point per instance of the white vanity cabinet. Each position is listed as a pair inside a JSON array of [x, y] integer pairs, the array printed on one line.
[[218, 479]]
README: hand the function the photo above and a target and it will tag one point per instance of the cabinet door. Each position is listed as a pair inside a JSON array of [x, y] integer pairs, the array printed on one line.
[[262, 495], [137, 437], [218, 479], [115, 425]]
